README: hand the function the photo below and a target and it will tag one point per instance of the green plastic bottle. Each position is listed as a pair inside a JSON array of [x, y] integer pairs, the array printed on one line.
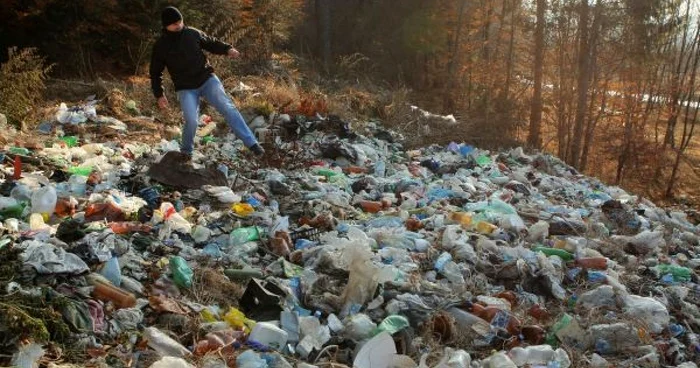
[[81, 170], [13, 211], [566, 256], [182, 273], [328, 173], [564, 321]]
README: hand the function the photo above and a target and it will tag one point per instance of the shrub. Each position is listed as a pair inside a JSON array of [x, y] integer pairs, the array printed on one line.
[[22, 80]]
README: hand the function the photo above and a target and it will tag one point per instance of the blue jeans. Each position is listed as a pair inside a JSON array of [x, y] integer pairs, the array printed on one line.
[[213, 91]]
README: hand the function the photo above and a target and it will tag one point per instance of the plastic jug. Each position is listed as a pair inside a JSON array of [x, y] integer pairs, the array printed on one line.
[[269, 335], [44, 200]]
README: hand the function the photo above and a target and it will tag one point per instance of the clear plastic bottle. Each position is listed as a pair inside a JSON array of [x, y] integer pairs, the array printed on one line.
[[532, 355], [380, 168], [164, 344]]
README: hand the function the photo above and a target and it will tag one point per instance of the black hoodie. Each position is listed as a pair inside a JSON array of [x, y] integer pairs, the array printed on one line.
[[182, 53]]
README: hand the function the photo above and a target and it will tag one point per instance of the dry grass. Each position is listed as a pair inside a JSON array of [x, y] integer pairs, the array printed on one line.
[[212, 287]]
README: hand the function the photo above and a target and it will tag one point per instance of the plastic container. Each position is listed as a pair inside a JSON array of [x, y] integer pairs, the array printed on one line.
[[44, 200], [269, 335], [164, 344]]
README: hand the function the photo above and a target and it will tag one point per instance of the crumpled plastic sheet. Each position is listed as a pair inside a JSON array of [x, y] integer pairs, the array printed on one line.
[[46, 258]]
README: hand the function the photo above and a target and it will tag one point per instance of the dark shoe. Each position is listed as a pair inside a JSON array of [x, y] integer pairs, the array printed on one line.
[[257, 150]]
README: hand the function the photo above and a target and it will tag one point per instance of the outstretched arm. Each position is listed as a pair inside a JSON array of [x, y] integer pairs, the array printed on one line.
[[213, 45]]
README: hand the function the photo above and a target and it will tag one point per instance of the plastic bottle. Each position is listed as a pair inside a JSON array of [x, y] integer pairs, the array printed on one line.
[[566, 256], [468, 321], [15, 211], [485, 227], [675, 330], [182, 273], [17, 174], [462, 218], [380, 168], [564, 321], [129, 227], [44, 201], [595, 263], [532, 355], [164, 344], [107, 292], [442, 261]]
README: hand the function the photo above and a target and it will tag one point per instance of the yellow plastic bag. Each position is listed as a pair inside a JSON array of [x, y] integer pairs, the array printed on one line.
[[243, 209], [237, 319]]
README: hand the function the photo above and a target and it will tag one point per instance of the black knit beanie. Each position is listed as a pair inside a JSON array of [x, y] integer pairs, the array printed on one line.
[[170, 15]]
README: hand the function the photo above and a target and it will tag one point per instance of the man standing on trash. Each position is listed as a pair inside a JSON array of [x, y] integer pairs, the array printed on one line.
[[180, 49]]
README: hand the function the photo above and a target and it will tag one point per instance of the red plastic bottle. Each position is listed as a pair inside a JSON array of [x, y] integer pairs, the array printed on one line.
[[18, 168]]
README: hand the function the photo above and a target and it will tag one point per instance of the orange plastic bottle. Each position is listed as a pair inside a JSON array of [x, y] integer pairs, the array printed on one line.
[[594, 263], [108, 292]]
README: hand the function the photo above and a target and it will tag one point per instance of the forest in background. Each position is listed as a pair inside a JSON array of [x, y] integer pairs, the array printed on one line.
[[611, 87]]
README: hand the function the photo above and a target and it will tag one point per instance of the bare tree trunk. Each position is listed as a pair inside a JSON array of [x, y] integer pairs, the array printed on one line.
[[487, 58], [584, 74], [688, 122], [562, 127], [511, 44], [677, 86], [448, 100], [323, 32], [534, 140]]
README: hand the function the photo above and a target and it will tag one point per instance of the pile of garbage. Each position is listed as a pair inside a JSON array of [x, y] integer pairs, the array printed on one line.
[[339, 249]]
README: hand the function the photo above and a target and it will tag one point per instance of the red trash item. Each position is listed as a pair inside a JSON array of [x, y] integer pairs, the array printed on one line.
[[18, 168], [104, 211], [371, 206], [129, 227]]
